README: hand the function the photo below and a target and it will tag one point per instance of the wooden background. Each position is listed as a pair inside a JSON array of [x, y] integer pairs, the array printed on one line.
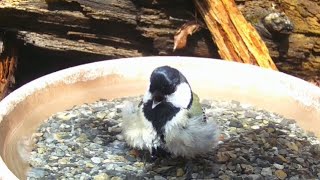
[[39, 37]]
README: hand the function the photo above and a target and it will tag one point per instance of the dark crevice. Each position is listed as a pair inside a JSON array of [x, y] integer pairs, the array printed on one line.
[[64, 5], [34, 62]]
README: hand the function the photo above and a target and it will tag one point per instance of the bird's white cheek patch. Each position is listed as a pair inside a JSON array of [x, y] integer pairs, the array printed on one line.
[[181, 97]]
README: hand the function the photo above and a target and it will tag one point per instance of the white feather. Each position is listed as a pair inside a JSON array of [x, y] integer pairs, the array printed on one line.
[[137, 131], [181, 97], [189, 137]]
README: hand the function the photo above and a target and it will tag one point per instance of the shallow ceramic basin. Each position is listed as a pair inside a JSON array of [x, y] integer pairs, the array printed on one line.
[[24, 109]]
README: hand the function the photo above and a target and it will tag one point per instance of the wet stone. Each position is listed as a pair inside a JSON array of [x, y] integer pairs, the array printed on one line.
[[266, 171], [85, 142], [235, 123], [37, 173], [281, 174]]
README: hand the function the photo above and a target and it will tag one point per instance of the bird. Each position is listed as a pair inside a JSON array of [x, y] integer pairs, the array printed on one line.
[[169, 118]]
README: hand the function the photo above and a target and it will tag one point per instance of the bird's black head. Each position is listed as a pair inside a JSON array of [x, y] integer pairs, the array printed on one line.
[[165, 80], [168, 85]]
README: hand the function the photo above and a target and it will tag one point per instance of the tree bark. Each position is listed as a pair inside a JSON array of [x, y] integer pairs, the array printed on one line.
[[8, 62], [84, 31], [236, 39]]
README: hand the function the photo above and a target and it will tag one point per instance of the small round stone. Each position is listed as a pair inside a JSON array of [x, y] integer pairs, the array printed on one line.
[[96, 160], [281, 174], [180, 172], [266, 171], [278, 166], [255, 127]]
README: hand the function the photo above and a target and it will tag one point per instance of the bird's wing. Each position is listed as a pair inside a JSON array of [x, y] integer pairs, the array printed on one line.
[[196, 107], [194, 137], [195, 134]]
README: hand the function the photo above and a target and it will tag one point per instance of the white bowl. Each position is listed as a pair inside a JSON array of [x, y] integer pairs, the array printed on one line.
[[24, 109]]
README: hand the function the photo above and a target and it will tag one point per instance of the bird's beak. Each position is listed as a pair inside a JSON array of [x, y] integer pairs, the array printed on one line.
[[155, 103], [157, 98]]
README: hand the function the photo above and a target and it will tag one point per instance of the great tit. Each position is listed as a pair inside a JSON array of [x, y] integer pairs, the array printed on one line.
[[169, 118]]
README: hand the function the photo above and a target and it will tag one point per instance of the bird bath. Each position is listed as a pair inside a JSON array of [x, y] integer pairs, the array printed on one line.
[[24, 109]]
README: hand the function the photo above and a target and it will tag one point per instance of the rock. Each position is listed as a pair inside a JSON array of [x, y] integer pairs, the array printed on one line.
[[96, 160], [286, 122], [282, 159], [294, 178], [225, 177], [159, 178], [37, 173], [300, 160], [222, 157], [82, 138], [180, 172], [283, 152], [248, 169], [65, 116], [266, 171], [63, 161], [255, 127], [235, 123], [292, 146], [278, 166], [37, 162], [194, 175], [101, 115], [41, 150], [250, 114], [89, 165], [315, 149], [102, 176], [116, 178], [280, 174], [270, 130], [255, 177]]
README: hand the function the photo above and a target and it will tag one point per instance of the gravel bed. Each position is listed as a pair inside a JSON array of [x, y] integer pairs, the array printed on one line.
[[85, 142]]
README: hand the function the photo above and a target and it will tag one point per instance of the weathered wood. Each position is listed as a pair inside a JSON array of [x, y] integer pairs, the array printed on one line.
[[299, 55], [8, 62], [125, 28], [121, 26], [235, 37]]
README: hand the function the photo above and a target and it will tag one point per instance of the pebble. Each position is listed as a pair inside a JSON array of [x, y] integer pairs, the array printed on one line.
[[300, 160], [236, 123], [225, 177], [96, 160], [255, 177], [116, 178], [281, 174], [255, 127], [85, 142], [266, 171], [180, 172], [37, 173], [89, 165], [278, 166], [102, 176], [248, 169], [292, 146], [159, 178]]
